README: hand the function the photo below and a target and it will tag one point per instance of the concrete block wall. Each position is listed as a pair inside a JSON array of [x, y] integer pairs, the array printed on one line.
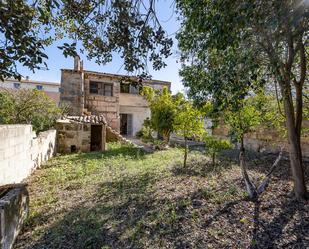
[[21, 151]]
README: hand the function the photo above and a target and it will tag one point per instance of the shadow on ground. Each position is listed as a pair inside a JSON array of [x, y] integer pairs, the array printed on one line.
[[181, 210]]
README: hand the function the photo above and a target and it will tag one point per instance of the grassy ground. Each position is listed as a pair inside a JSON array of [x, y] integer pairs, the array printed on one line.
[[125, 198]]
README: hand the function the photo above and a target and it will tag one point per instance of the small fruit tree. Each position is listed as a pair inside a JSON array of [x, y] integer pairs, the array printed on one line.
[[189, 123]]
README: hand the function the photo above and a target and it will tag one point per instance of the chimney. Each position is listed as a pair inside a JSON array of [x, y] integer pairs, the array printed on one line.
[[77, 63]]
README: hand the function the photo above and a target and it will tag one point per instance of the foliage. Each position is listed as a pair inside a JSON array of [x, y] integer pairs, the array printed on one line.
[[146, 131], [28, 107], [163, 109], [214, 145], [243, 120], [188, 123], [98, 28], [233, 45]]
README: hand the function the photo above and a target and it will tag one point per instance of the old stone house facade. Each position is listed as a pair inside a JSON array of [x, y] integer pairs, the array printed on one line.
[[96, 93]]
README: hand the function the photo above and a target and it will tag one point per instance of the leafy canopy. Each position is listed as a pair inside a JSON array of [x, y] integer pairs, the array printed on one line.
[[98, 28], [28, 107], [163, 109], [188, 121]]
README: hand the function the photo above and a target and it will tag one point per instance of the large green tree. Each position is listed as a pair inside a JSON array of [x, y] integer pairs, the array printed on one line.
[[267, 37], [98, 28]]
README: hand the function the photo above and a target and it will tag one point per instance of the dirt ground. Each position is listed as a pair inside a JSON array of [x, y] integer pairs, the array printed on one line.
[[130, 199]]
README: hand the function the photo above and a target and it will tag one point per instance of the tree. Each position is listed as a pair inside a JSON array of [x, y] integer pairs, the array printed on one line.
[[28, 107], [163, 110], [188, 123], [98, 27], [273, 35], [243, 120], [214, 145]]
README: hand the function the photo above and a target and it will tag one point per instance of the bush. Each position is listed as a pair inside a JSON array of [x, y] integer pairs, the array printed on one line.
[[146, 131], [215, 145], [28, 107]]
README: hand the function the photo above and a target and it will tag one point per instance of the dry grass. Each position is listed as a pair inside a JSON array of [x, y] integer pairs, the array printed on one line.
[[128, 199]]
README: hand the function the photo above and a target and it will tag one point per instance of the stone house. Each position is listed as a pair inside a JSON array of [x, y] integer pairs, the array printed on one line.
[[81, 133], [97, 93]]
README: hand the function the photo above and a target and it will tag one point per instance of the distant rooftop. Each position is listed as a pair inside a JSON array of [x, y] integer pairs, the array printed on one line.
[[27, 80]]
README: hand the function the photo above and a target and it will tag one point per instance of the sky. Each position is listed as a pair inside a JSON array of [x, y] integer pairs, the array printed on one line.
[[56, 61]]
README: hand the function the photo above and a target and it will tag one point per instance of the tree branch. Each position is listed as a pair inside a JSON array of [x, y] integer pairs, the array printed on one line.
[[262, 187]]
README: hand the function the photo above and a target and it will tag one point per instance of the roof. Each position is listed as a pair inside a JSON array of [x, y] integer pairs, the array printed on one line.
[[29, 81], [89, 119], [120, 76]]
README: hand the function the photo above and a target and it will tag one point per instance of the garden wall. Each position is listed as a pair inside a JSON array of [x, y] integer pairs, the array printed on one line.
[[21, 151], [265, 140]]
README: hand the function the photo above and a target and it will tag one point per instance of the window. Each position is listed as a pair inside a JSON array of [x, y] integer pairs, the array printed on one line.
[[39, 87], [61, 90], [94, 87], [124, 88], [129, 88], [134, 89], [17, 85], [105, 89]]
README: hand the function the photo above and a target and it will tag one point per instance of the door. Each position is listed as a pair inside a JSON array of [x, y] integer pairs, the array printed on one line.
[[96, 138], [126, 124]]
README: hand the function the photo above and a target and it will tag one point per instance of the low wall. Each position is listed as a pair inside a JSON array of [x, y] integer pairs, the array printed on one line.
[[265, 140], [14, 206], [21, 151]]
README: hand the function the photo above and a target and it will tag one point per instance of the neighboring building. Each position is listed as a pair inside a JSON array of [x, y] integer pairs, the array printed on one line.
[[52, 89], [96, 93]]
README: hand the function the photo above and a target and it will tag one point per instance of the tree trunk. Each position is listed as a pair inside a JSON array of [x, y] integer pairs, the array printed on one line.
[[213, 159], [293, 130], [186, 154]]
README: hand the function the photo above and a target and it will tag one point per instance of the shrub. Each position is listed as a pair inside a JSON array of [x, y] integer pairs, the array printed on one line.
[[215, 145], [28, 107]]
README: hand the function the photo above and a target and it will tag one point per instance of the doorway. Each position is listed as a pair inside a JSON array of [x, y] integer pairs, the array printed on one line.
[[126, 124], [96, 138]]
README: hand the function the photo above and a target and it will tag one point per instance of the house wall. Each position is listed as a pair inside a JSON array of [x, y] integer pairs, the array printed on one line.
[[72, 87], [21, 151], [50, 88], [109, 106], [139, 114], [99, 104]]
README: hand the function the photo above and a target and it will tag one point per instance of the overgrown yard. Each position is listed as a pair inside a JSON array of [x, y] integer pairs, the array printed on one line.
[[125, 198]]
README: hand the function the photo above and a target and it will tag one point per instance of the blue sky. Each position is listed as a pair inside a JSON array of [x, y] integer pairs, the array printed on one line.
[[168, 18]]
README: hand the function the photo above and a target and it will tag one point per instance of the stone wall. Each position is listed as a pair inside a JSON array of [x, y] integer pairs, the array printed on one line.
[[99, 104], [265, 140], [21, 151], [76, 137], [72, 90], [73, 134], [14, 206]]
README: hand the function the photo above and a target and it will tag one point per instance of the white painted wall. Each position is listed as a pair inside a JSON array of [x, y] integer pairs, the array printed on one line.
[[47, 86], [139, 115], [21, 151]]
